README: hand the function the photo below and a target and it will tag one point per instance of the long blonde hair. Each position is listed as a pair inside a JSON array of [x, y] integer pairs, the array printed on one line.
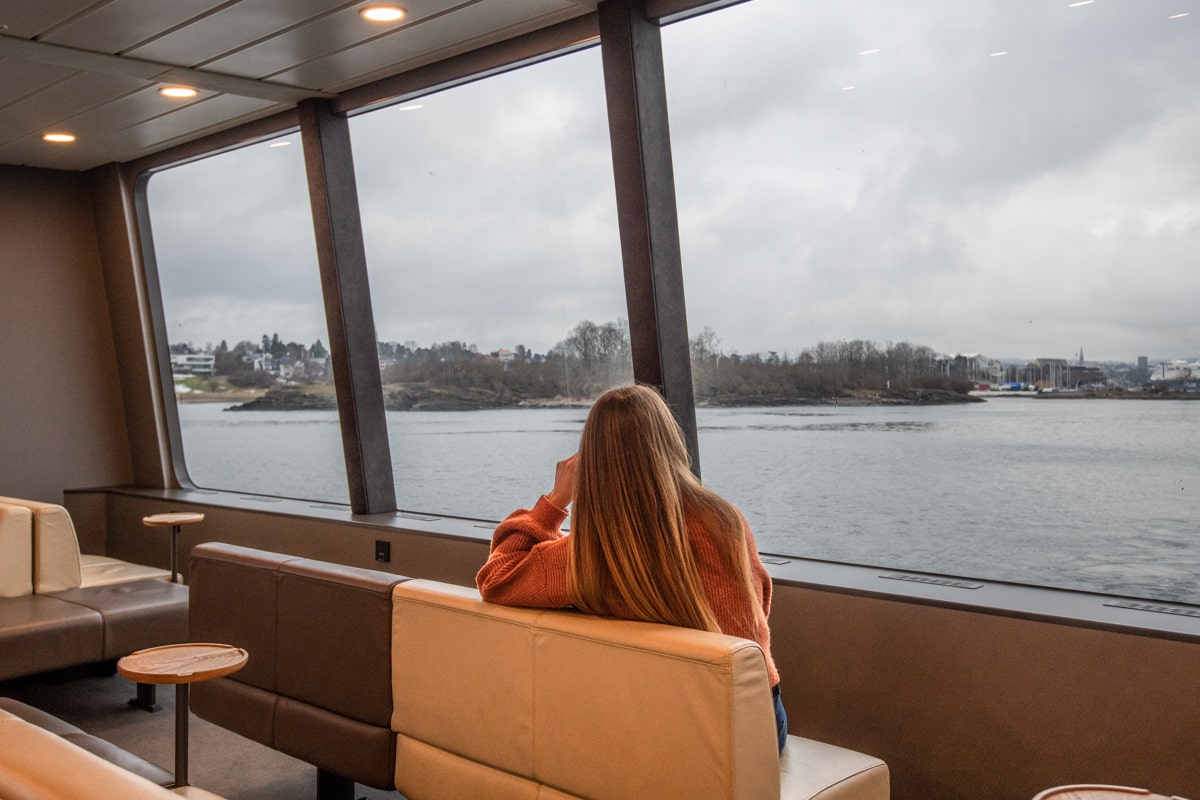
[[631, 555]]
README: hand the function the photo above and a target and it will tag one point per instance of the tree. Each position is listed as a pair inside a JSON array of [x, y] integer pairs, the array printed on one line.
[[705, 346]]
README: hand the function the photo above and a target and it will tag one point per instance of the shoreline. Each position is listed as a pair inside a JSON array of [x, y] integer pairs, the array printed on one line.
[[294, 399]]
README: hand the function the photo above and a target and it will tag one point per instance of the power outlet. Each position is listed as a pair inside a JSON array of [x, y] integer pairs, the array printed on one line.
[[383, 551]]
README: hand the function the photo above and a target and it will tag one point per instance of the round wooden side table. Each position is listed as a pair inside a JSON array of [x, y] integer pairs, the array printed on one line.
[[1096, 791], [182, 665], [175, 519]]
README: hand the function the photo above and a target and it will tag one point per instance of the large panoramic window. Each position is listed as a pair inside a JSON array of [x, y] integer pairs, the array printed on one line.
[[940, 270], [242, 303], [490, 225]]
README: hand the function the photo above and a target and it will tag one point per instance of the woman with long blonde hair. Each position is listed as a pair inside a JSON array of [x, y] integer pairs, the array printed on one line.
[[648, 541]]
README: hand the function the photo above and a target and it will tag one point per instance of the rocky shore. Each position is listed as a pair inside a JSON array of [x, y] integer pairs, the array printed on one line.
[[421, 397]]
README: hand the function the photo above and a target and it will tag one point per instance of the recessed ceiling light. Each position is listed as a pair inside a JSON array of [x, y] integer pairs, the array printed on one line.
[[1080, 3], [279, 144], [178, 92], [59, 137], [382, 13], [410, 107], [848, 88], [869, 52], [1177, 16], [999, 53]]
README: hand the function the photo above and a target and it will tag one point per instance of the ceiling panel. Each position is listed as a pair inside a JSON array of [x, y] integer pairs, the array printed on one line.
[[29, 19], [20, 78], [49, 108], [118, 25], [139, 140], [128, 111], [232, 28], [198, 117], [490, 21], [300, 45]]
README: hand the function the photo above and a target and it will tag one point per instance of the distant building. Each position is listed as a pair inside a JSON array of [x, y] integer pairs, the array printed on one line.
[[193, 364]]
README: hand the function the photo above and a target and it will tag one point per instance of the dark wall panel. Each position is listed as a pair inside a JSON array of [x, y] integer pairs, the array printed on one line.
[[61, 419], [982, 706]]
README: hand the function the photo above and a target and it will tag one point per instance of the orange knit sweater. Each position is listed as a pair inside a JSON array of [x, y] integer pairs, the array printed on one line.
[[529, 559]]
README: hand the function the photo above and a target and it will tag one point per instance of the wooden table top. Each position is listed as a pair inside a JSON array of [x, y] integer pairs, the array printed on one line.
[[1098, 792], [182, 663], [173, 518]]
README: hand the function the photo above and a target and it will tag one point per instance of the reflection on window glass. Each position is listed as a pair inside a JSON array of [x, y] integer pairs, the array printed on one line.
[[490, 225], [888, 210], [242, 304]]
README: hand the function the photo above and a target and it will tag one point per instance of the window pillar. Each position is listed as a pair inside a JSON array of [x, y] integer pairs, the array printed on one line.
[[631, 50], [342, 259]]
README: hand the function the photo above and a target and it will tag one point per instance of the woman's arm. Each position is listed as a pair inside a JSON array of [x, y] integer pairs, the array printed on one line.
[[528, 562]]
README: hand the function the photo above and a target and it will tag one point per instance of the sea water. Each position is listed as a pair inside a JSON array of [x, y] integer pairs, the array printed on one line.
[[1099, 495]]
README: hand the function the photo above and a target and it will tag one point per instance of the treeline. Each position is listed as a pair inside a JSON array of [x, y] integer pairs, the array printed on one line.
[[589, 360], [596, 356], [827, 369]]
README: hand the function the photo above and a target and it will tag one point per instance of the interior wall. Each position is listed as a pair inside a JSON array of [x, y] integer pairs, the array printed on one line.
[[60, 399], [986, 707]]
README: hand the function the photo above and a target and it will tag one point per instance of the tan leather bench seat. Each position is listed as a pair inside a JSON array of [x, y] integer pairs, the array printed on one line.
[[37, 764], [528, 704]]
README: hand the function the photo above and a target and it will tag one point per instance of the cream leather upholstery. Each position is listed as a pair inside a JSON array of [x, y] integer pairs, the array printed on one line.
[[55, 547], [104, 571], [498, 702], [38, 765], [57, 563], [16, 551]]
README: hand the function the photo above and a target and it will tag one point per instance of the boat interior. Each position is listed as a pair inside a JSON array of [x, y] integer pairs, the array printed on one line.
[[966, 687]]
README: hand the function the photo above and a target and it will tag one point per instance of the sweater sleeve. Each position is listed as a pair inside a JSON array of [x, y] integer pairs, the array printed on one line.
[[527, 565], [762, 579]]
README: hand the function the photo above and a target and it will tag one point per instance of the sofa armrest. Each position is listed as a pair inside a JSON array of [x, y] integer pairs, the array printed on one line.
[[16, 551]]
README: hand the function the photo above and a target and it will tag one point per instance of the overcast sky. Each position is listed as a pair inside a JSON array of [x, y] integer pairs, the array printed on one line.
[[1019, 205]]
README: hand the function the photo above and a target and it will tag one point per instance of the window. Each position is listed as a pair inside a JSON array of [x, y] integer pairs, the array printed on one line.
[[242, 304], [490, 225], [885, 204]]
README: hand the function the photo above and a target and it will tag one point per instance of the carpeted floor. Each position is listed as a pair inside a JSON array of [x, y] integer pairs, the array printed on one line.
[[219, 761]]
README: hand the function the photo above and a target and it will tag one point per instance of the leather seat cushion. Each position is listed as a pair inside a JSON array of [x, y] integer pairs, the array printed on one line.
[[40, 633]]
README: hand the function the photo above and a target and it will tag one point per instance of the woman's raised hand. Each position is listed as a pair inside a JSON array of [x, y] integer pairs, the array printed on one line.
[[564, 482]]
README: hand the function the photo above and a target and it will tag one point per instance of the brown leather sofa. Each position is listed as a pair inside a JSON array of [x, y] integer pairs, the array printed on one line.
[[423, 687], [60, 609]]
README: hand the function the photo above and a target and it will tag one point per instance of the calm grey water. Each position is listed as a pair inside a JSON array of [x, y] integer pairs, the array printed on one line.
[[1100, 495]]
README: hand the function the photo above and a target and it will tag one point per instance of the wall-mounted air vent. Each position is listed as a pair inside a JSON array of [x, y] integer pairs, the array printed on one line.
[[1172, 610], [410, 515], [900, 576]]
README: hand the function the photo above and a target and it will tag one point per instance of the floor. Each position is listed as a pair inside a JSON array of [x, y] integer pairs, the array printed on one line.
[[219, 761]]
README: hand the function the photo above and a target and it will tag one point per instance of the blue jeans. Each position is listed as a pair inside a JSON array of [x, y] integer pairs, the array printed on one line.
[[780, 717]]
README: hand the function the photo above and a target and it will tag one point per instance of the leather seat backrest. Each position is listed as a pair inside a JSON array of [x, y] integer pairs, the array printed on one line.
[[55, 546], [514, 703]]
